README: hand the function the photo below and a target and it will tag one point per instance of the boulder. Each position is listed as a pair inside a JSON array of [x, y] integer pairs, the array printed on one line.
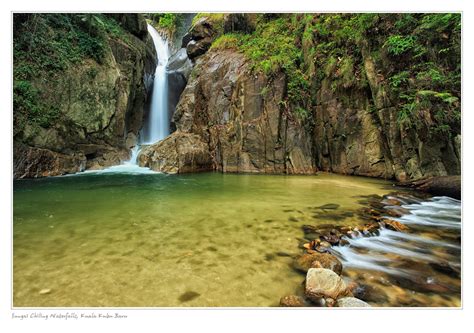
[[370, 293], [200, 37], [317, 260], [178, 153], [324, 283], [351, 302]]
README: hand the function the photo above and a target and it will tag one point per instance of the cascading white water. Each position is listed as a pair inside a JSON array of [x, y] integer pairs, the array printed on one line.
[[157, 127], [381, 252]]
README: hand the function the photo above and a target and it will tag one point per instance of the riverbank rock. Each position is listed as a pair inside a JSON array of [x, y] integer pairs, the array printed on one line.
[[178, 153], [351, 302], [317, 260], [444, 185], [324, 283], [31, 162]]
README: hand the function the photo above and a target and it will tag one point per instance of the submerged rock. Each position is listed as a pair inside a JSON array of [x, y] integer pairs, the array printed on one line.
[[188, 296], [324, 283], [394, 225], [293, 301], [446, 268], [351, 302], [370, 293], [317, 260], [330, 206]]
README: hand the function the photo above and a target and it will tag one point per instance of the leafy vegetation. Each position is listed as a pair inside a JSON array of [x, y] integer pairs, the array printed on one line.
[[44, 46], [397, 44], [274, 48], [167, 21], [414, 53]]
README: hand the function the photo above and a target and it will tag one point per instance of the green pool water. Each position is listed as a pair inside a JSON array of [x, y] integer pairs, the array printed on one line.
[[154, 240]]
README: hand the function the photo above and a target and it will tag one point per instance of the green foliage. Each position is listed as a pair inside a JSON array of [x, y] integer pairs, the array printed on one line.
[[400, 79], [45, 45], [227, 41], [28, 103], [397, 45], [273, 48], [168, 21], [216, 20], [302, 113]]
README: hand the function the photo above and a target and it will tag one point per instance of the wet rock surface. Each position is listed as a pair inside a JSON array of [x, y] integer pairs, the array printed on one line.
[[293, 301], [178, 153], [317, 260], [324, 283], [351, 302], [393, 259]]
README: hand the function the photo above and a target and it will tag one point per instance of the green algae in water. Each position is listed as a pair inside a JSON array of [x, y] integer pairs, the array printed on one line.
[[147, 240]]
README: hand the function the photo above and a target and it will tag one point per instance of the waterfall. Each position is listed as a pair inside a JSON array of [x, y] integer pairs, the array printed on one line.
[[157, 127]]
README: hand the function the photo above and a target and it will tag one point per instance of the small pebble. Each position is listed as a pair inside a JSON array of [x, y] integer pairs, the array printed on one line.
[[44, 291]]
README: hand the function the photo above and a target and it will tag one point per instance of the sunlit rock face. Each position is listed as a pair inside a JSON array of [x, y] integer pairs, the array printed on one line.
[[240, 117]]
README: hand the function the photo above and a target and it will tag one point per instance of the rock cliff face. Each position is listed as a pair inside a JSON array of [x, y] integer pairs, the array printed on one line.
[[357, 132], [239, 118], [100, 107], [353, 128], [232, 118]]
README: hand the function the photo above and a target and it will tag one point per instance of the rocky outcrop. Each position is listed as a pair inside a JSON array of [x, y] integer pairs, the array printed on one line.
[[445, 185], [241, 117], [200, 37], [100, 106], [178, 70], [31, 162], [178, 153], [357, 128], [351, 138]]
